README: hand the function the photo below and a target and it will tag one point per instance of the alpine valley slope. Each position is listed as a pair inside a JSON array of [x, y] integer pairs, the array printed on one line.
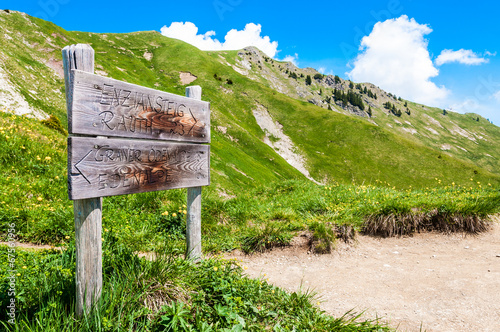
[[333, 141]]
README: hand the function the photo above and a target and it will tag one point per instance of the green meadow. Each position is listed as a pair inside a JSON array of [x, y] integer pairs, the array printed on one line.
[[377, 180]]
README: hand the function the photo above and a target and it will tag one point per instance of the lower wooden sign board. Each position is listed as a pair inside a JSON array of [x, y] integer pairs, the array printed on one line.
[[101, 167]]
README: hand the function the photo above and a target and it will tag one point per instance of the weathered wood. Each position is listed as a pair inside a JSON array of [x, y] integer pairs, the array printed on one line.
[[107, 107], [88, 212], [193, 221], [88, 243], [108, 167]]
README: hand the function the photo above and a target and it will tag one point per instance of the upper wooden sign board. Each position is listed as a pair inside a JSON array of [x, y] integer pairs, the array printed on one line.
[[103, 106]]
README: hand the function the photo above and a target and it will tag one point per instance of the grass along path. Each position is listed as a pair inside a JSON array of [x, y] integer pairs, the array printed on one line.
[[165, 294]]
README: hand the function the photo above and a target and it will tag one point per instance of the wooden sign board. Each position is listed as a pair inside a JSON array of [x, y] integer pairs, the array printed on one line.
[[106, 167], [103, 106]]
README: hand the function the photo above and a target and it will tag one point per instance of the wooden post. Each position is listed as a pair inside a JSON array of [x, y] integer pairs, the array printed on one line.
[[193, 222], [88, 212]]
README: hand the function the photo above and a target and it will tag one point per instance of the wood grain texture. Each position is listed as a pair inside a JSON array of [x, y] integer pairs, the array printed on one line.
[[193, 217], [88, 243], [88, 212], [193, 224], [107, 107], [76, 57], [108, 167]]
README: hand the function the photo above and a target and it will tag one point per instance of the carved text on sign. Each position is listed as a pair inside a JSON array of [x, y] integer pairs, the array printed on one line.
[[103, 106], [105, 167]]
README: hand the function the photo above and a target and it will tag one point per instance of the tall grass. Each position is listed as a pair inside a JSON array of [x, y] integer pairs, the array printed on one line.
[[164, 294]]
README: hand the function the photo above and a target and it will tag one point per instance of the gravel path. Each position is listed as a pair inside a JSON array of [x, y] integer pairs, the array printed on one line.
[[428, 282]]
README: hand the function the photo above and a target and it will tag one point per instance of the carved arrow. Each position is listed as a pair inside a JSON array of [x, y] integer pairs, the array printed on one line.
[[195, 122], [80, 168]]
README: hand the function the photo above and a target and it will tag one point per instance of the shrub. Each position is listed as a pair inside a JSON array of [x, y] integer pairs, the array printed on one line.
[[53, 122], [318, 76], [308, 80]]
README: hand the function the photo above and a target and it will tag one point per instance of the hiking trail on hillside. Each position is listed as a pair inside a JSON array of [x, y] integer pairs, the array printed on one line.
[[426, 282]]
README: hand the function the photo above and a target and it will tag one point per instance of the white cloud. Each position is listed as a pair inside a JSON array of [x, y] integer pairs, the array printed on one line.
[[496, 96], [292, 58], [395, 57], [469, 105], [234, 39], [466, 57]]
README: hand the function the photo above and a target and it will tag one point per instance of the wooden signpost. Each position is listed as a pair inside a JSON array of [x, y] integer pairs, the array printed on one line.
[[131, 139]]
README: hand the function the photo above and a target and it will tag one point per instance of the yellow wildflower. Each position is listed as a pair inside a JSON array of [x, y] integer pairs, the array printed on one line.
[[39, 198], [47, 158], [174, 214]]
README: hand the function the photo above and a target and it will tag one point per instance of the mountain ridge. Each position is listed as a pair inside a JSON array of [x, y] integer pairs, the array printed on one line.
[[335, 144]]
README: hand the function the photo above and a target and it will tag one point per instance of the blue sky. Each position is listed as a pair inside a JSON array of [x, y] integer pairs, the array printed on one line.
[[442, 53]]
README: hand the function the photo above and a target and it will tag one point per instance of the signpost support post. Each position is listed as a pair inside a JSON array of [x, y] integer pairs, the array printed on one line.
[[88, 212], [193, 221]]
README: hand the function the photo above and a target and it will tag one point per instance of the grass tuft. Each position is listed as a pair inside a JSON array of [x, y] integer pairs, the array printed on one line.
[[272, 235], [407, 224], [322, 240]]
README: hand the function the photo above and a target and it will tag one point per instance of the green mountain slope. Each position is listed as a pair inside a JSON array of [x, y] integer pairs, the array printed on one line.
[[334, 145], [464, 136]]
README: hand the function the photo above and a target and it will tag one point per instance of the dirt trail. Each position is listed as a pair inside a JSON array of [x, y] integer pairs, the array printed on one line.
[[434, 281]]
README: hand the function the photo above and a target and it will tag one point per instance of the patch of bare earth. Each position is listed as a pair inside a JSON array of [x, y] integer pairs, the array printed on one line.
[[281, 143], [186, 77], [11, 101], [428, 282]]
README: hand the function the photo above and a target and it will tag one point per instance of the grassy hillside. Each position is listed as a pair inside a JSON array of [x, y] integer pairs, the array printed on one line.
[[464, 136], [335, 146]]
